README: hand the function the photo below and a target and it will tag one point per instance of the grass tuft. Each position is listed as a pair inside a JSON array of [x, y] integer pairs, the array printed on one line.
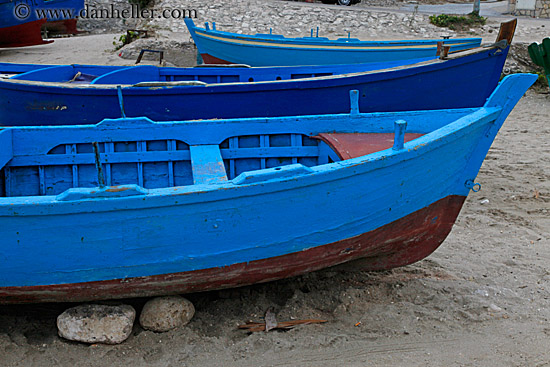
[[457, 22]]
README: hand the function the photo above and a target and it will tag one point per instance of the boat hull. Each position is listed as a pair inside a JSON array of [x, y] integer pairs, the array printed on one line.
[[462, 82], [24, 34], [402, 242]]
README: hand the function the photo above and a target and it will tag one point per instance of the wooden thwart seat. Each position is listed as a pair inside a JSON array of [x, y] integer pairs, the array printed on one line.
[[207, 164]]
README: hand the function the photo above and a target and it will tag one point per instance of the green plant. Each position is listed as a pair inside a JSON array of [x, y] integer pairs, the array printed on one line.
[[542, 80], [125, 39], [457, 22]]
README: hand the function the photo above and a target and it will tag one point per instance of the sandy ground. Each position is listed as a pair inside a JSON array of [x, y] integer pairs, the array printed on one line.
[[482, 299], [85, 49]]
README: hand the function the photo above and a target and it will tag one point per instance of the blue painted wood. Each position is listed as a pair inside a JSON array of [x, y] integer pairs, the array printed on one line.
[[432, 84], [61, 73], [399, 139], [87, 193], [38, 71], [276, 173], [13, 68], [207, 164], [81, 234], [6, 153], [267, 49]]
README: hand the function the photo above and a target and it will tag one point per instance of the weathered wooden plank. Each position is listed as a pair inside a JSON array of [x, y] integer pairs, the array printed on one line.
[[207, 164]]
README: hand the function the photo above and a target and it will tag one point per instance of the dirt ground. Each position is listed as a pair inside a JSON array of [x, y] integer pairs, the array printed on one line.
[[482, 299]]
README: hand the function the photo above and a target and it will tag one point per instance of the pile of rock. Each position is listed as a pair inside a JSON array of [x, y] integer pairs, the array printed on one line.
[[175, 52], [297, 19], [519, 61]]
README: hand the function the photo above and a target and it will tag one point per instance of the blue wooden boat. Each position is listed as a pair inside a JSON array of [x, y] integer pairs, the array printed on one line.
[[64, 95], [21, 21], [131, 207], [218, 47]]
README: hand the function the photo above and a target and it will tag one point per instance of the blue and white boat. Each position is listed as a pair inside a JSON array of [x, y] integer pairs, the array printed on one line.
[[219, 47]]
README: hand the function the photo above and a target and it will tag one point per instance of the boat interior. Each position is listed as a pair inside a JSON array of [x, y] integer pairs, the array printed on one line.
[[129, 75], [137, 151]]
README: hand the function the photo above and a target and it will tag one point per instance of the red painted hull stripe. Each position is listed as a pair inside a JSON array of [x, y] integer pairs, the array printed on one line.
[[26, 34]]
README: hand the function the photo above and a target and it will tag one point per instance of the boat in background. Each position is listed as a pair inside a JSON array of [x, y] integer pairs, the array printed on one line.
[[134, 208], [65, 95], [17, 32], [21, 22], [218, 47], [206, 73]]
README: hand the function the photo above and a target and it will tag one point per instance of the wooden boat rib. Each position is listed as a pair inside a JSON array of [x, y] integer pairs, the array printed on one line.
[[218, 47], [199, 205]]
